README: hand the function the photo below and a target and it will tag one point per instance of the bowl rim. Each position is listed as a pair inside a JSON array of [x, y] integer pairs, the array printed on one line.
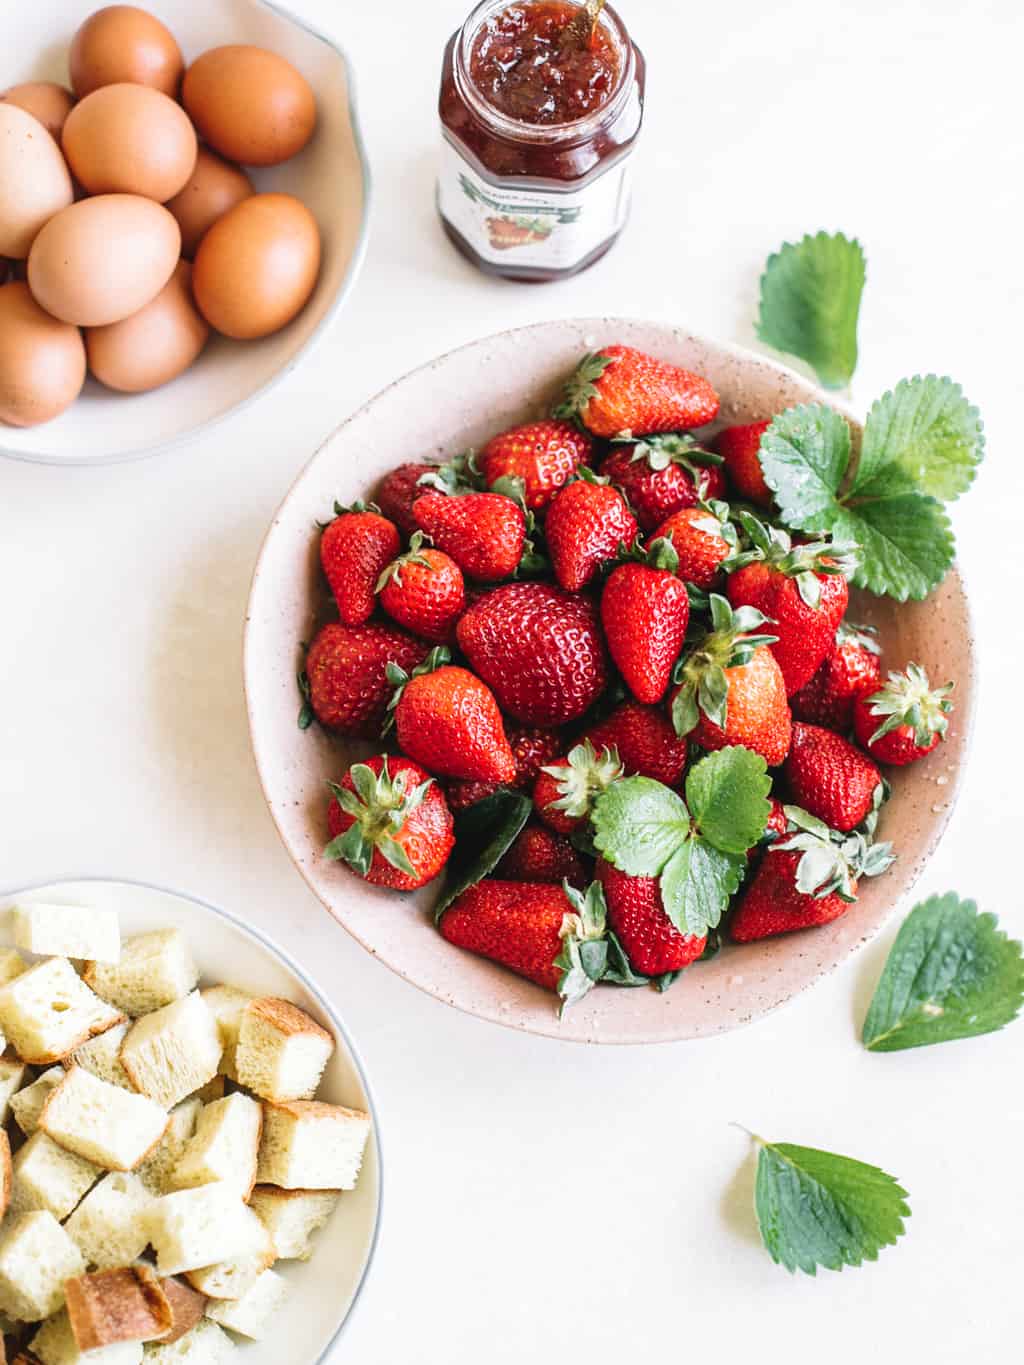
[[270, 945], [355, 266]]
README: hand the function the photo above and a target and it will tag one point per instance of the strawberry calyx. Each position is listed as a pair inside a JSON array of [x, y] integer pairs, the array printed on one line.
[[831, 863], [580, 386], [730, 643], [909, 699], [413, 555], [668, 448], [583, 959], [583, 777], [866, 637], [455, 477], [658, 554], [773, 546], [400, 679], [379, 807]]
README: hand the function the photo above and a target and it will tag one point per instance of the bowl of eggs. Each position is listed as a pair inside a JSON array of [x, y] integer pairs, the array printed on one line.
[[184, 203]]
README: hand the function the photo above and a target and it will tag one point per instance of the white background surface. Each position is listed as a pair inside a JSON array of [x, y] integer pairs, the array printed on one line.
[[546, 1201]]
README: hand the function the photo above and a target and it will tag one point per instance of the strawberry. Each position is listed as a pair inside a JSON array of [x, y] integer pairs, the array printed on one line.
[[645, 742], [622, 390], [586, 524], [661, 475], [539, 649], [702, 538], [399, 490], [829, 778], [346, 667], [390, 823], [540, 855], [531, 749], [637, 917], [354, 549], [542, 456], [565, 791], [423, 590], [731, 689], [483, 532], [645, 611], [448, 720], [801, 589], [850, 669], [739, 447], [776, 826], [904, 719]]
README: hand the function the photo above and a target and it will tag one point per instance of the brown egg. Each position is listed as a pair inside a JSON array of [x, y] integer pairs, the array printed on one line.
[[42, 361], [129, 139], [34, 181], [154, 345], [256, 267], [249, 104], [213, 187], [103, 259], [44, 100], [122, 43]]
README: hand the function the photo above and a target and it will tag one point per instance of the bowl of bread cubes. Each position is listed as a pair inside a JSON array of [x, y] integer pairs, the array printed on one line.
[[189, 1159]]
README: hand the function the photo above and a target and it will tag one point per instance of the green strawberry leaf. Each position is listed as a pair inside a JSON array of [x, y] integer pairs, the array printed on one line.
[[618, 972], [906, 544], [818, 1209], [697, 885], [926, 428], [639, 824], [804, 457], [952, 973], [484, 832], [810, 304], [727, 793], [306, 715]]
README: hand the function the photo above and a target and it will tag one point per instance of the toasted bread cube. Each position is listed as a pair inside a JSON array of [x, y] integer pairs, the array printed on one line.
[[187, 1307], [231, 1279], [206, 1344], [48, 1011], [225, 1146], [251, 1314], [12, 1076], [157, 1171], [102, 1056], [27, 1104], [47, 1177], [113, 1306], [170, 1053], [105, 1124], [226, 1004], [281, 1051], [193, 1228], [54, 1344], [67, 931], [6, 1173], [36, 1257], [12, 964], [307, 1145], [109, 1225], [292, 1217], [153, 971]]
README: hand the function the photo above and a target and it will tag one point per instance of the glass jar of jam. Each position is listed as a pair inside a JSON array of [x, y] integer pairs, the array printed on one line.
[[539, 116]]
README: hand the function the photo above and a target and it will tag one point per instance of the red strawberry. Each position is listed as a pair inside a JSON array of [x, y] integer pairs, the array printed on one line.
[[645, 612], [390, 823], [540, 855], [483, 532], [662, 475], [354, 549], [904, 719], [565, 791], [623, 390], [531, 749], [347, 671], [423, 590], [777, 825], [636, 915], [399, 490], [539, 649], [739, 447], [448, 720], [830, 778], [544, 455], [645, 741], [586, 524], [701, 541], [851, 668]]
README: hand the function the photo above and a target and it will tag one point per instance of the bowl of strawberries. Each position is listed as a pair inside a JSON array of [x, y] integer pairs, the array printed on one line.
[[634, 675]]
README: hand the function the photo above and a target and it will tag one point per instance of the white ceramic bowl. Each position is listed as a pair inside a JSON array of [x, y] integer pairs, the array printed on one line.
[[323, 1291], [448, 406], [331, 176]]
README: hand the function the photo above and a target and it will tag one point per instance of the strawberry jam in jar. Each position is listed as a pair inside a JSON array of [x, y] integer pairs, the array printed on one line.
[[541, 104]]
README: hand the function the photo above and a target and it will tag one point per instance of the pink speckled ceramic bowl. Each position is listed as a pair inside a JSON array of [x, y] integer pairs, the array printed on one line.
[[455, 403]]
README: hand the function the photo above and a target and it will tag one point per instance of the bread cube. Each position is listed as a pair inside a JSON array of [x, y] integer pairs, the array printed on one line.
[[157, 1171], [12, 1074], [6, 1173], [48, 1011], [54, 1344], [109, 1225], [118, 1305], [36, 1257], [173, 1051], [225, 1146], [281, 1051], [102, 1056], [292, 1217], [206, 1344], [307, 1145], [231, 1279], [105, 1124], [251, 1314], [12, 964], [153, 971], [226, 1004], [27, 1104], [67, 931], [193, 1228], [47, 1177], [187, 1307]]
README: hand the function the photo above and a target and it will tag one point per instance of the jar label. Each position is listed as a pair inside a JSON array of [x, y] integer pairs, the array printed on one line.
[[531, 228]]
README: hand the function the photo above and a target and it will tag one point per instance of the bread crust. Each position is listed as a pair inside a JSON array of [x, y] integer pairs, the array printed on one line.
[[288, 1018], [188, 1307], [111, 1306], [6, 1178]]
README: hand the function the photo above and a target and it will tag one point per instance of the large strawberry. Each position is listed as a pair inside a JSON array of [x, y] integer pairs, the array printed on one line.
[[644, 740], [829, 778], [398, 491], [423, 590], [354, 550], [645, 611], [390, 823], [539, 649], [637, 917], [850, 669], [483, 532], [346, 668], [740, 448], [731, 688], [663, 474], [586, 524], [904, 719], [542, 455], [565, 791], [621, 390], [801, 589], [531, 749], [702, 537], [448, 720], [540, 855]]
